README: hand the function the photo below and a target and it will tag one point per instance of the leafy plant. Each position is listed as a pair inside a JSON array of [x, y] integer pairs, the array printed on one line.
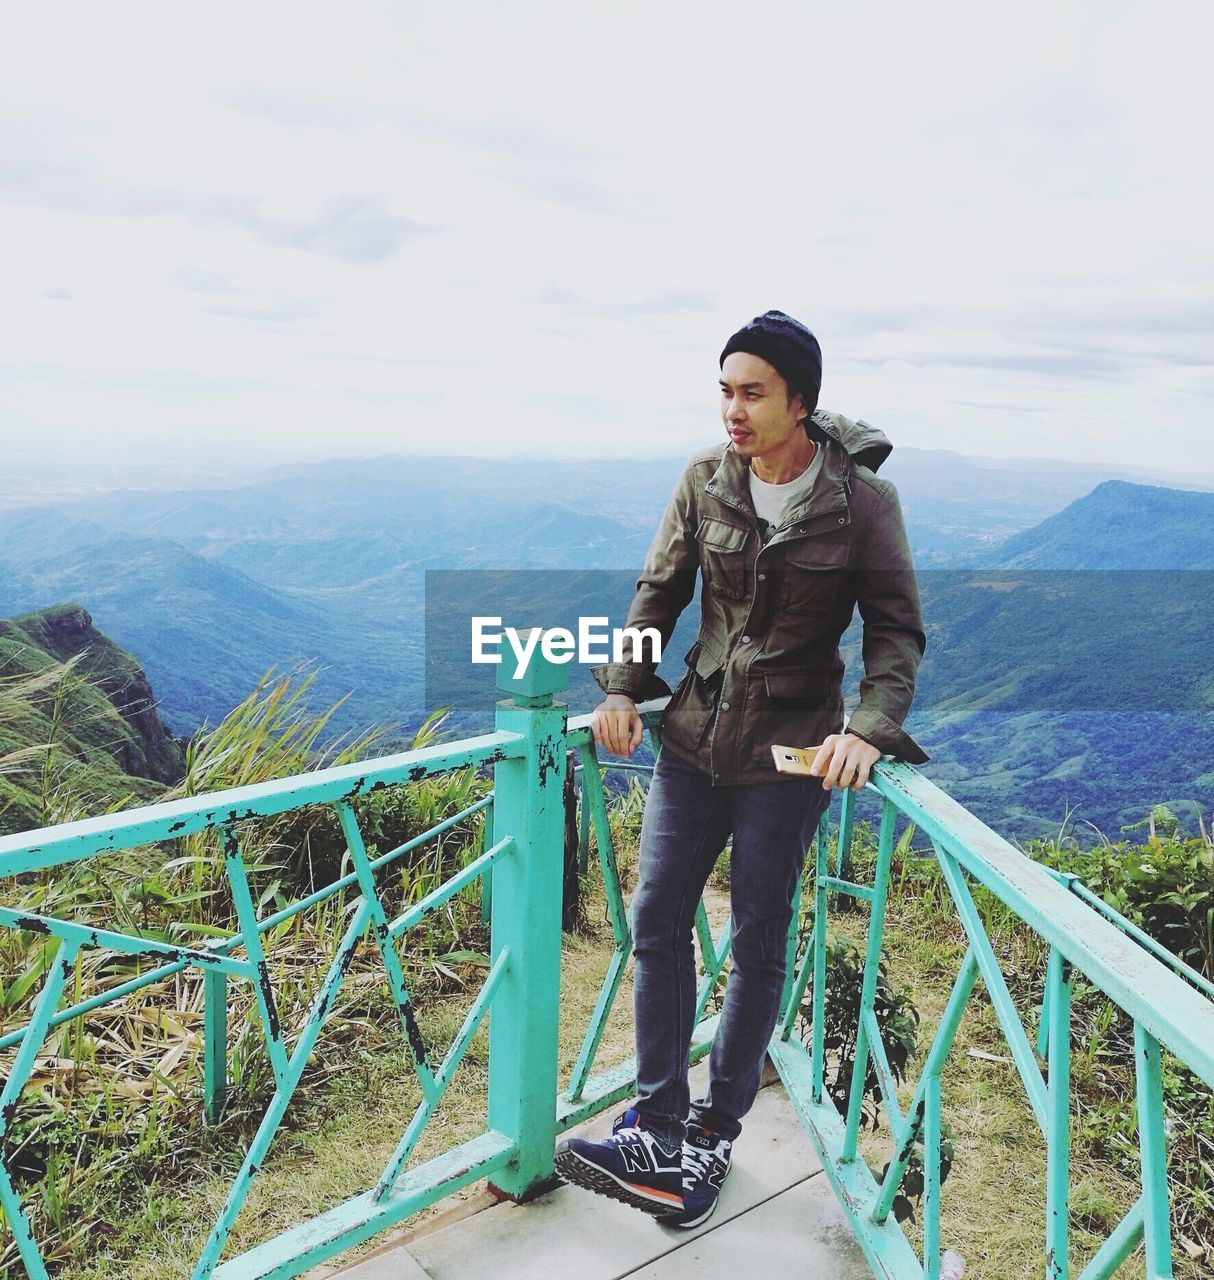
[[914, 1182], [1165, 886], [898, 1022], [897, 1018]]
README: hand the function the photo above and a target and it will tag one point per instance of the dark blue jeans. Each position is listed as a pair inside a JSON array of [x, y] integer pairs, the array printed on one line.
[[686, 825]]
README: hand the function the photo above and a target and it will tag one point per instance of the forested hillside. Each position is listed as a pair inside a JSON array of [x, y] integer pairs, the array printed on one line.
[[74, 706]]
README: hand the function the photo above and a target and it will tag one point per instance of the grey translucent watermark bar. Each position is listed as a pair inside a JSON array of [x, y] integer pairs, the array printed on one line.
[[1011, 641]]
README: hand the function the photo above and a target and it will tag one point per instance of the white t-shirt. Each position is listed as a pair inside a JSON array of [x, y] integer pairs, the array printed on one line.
[[771, 500]]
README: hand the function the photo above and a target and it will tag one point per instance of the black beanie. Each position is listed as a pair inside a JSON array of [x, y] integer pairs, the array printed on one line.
[[788, 346]]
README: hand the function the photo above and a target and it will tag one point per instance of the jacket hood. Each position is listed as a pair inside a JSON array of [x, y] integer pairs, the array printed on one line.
[[860, 439]]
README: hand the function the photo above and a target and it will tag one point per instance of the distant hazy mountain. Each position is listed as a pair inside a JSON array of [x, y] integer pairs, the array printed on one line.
[[351, 524], [1078, 670], [323, 563], [1116, 526], [959, 508], [205, 633]]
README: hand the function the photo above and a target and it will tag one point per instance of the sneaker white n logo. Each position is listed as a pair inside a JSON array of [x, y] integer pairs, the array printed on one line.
[[635, 1158]]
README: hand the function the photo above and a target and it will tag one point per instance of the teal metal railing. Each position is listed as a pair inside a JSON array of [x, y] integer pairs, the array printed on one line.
[[522, 860], [504, 1150], [528, 1105], [1170, 1005]]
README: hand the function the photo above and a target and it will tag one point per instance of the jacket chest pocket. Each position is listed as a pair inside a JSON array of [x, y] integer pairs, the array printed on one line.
[[723, 557], [815, 576]]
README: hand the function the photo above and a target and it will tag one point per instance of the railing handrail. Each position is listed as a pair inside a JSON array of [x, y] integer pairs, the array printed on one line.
[[169, 819], [651, 713], [1076, 886], [1176, 1014], [1114, 959]]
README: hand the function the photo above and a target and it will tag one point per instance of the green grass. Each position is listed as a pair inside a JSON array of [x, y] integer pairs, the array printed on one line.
[[60, 742]]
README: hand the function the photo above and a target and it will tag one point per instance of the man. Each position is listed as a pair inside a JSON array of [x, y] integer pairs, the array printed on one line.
[[790, 529]]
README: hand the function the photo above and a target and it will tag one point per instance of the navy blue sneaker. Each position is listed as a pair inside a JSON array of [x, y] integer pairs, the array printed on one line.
[[633, 1166], [706, 1157]]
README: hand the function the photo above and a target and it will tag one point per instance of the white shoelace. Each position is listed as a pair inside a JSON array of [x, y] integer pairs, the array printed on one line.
[[697, 1161], [695, 1164]]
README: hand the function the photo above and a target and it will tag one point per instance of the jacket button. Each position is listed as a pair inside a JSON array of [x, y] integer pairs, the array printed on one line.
[[745, 639], [762, 577], [842, 519], [724, 706]]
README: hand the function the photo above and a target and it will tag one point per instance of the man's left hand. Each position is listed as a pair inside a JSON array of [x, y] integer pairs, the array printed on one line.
[[843, 760]]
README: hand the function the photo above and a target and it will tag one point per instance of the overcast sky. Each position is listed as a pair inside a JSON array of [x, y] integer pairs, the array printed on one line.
[[275, 232]]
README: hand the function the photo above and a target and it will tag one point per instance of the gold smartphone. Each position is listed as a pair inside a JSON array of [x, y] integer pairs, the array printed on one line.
[[795, 759]]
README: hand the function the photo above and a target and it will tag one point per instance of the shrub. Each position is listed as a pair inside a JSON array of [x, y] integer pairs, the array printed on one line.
[[898, 1020], [1165, 887]]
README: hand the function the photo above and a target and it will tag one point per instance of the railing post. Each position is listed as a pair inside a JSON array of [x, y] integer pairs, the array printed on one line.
[[583, 840], [215, 1043], [571, 871], [818, 997], [527, 884], [1058, 1133], [1152, 1144], [487, 878], [931, 1177], [872, 962]]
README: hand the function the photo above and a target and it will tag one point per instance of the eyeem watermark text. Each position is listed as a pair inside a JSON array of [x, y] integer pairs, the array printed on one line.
[[559, 644]]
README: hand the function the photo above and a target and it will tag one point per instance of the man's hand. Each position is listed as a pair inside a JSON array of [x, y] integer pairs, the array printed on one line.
[[616, 724], [844, 760]]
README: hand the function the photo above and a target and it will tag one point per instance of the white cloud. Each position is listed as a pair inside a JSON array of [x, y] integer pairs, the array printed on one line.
[[301, 231]]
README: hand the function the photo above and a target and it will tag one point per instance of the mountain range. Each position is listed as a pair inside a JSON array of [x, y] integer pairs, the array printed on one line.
[[1060, 603]]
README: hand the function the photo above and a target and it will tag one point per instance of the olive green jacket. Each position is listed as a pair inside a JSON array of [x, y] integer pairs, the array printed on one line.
[[765, 668]]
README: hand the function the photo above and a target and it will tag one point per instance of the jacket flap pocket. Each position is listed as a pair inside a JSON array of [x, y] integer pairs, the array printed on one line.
[[705, 662], [797, 684], [812, 554], [720, 535]]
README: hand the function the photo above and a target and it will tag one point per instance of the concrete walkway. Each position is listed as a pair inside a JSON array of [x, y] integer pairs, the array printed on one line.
[[777, 1218]]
